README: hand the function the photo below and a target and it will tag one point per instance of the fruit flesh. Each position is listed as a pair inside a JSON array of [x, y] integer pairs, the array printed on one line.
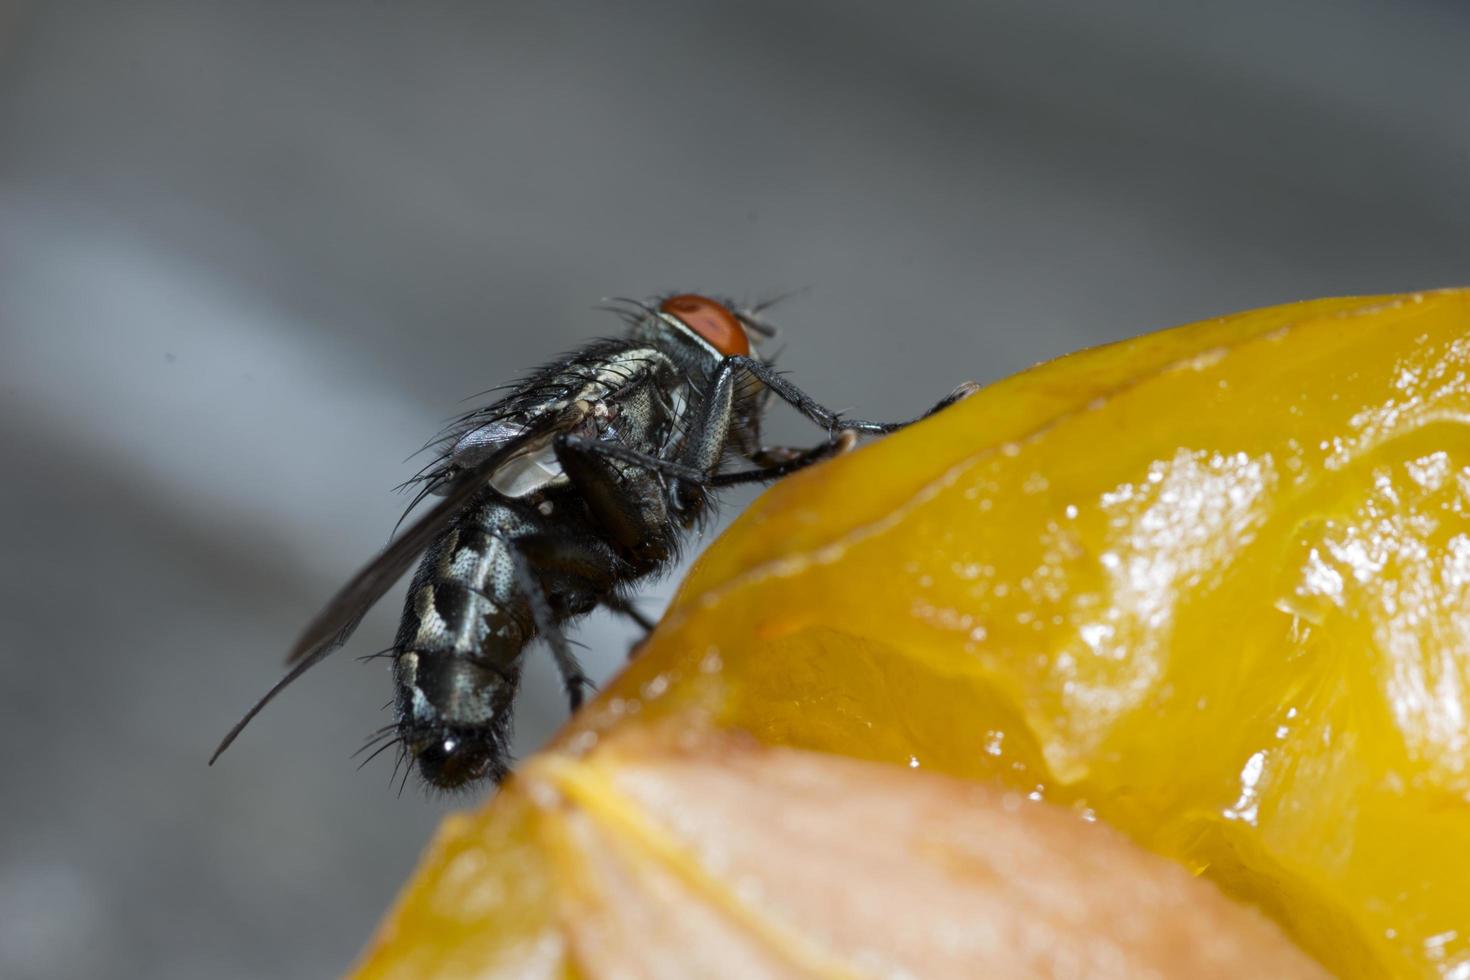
[[1211, 586], [856, 869]]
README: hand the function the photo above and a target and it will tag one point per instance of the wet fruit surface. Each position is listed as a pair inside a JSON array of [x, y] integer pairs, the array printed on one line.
[[1211, 586]]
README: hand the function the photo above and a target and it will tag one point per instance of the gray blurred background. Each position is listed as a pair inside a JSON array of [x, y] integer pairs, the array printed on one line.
[[252, 254]]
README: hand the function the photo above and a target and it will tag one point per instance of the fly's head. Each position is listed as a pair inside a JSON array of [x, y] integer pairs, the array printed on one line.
[[702, 333], [698, 331]]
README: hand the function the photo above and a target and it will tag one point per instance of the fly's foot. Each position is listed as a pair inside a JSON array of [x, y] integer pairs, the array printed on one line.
[[958, 395], [577, 686], [636, 647], [963, 391]]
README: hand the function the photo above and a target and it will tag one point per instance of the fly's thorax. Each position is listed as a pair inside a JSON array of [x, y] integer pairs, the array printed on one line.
[[581, 395]]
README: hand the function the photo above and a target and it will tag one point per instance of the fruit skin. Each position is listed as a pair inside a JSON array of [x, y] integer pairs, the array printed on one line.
[[1211, 585], [855, 869]]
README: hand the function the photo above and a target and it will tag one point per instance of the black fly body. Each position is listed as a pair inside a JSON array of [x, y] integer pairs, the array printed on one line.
[[555, 500]]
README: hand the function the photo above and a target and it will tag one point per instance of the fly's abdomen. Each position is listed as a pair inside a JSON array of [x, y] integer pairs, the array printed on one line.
[[457, 655]]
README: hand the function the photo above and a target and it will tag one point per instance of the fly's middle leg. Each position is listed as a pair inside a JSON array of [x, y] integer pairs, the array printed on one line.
[[774, 463], [628, 504]]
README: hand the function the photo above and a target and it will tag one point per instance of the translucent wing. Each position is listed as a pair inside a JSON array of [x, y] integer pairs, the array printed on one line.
[[335, 623]]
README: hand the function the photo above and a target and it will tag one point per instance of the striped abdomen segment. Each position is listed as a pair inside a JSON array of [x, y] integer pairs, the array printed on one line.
[[464, 626]]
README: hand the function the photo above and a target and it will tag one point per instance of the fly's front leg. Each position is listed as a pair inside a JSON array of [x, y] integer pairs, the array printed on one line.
[[705, 445], [832, 421], [961, 392]]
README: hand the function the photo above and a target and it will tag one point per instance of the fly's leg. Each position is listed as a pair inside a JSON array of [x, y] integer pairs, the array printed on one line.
[[777, 462], [639, 513], [630, 506], [623, 607], [832, 421], [657, 464], [705, 445], [572, 677], [584, 564], [962, 391], [772, 456], [589, 567], [707, 437]]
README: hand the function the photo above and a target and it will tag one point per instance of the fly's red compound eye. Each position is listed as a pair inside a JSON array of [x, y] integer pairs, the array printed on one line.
[[710, 320]]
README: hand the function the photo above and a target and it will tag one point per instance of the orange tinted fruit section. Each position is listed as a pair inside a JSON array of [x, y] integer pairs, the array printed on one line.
[[658, 855], [1210, 587]]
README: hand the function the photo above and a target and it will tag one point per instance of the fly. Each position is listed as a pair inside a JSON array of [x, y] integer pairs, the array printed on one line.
[[555, 500]]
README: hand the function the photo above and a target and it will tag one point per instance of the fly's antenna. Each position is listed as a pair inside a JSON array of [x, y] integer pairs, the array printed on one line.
[[630, 311], [763, 330], [750, 316], [766, 304]]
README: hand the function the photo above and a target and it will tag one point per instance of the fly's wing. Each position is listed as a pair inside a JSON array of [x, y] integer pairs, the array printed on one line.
[[334, 624]]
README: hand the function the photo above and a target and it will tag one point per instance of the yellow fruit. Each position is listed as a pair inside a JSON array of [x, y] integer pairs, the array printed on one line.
[[1211, 586], [665, 855]]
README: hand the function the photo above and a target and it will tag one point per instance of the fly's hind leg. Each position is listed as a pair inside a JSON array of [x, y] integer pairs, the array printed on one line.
[[573, 679], [588, 570], [631, 506], [623, 607]]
